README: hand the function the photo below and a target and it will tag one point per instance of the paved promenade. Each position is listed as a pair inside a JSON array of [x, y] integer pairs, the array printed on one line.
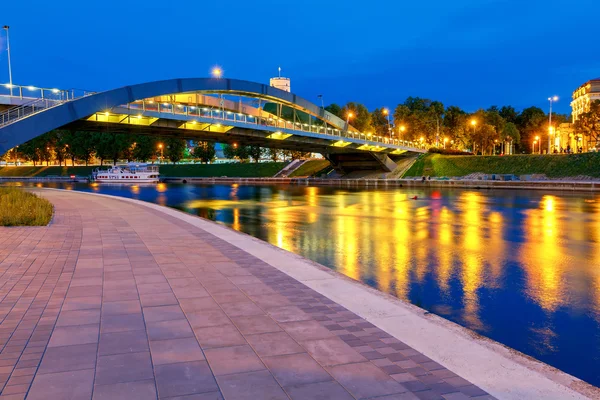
[[115, 300]]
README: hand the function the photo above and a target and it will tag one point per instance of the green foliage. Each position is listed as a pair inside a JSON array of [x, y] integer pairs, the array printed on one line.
[[274, 154], [361, 119], [174, 149], [511, 133], [335, 110], [449, 152], [554, 166], [21, 208], [144, 147], [238, 170], [379, 122], [255, 153], [204, 151]]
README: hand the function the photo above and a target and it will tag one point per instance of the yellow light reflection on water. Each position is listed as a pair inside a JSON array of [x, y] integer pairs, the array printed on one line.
[[542, 255], [473, 207]]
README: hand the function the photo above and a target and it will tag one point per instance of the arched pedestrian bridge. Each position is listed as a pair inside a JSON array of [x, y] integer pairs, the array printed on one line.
[[218, 110]]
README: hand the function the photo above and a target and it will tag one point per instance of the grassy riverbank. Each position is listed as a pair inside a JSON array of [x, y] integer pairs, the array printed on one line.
[[553, 166], [166, 170], [21, 208], [311, 168]]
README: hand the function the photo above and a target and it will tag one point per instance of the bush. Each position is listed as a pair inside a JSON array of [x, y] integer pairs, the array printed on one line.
[[449, 152], [21, 208]]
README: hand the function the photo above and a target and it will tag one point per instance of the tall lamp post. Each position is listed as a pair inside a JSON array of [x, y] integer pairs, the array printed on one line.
[[473, 123], [5, 27], [551, 100], [386, 112], [160, 146], [402, 130]]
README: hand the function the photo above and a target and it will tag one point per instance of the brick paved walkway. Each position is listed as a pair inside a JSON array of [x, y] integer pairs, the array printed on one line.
[[118, 301]]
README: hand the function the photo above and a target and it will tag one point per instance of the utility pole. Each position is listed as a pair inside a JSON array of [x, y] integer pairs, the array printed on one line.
[[5, 27], [551, 100]]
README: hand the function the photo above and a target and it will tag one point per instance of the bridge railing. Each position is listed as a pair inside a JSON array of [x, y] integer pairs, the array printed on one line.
[[46, 98], [34, 92], [16, 113], [230, 116]]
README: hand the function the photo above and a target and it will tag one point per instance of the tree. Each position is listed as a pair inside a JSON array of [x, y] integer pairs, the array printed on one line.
[[492, 117], [83, 145], [588, 124], [335, 110], [274, 154], [532, 122], [174, 149], [235, 151], [361, 119], [420, 117], [455, 126], [255, 152], [379, 122], [144, 147], [510, 134], [204, 151], [509, 114]]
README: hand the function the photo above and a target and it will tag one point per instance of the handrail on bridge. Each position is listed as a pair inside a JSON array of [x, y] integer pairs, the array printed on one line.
[[224, 115], [48, 98], [34, 92]]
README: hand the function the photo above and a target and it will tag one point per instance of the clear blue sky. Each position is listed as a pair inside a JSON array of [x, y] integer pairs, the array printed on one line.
[[470, 53]]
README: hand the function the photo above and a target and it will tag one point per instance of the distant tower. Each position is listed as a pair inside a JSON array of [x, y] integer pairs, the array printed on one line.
[[281, 83]]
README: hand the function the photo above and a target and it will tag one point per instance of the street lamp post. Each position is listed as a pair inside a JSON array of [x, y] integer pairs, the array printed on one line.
[[5, 27], [473, 123], [551, 100], [537, 139], [350, 115], [386, 112], [160, 146], [401, 133]]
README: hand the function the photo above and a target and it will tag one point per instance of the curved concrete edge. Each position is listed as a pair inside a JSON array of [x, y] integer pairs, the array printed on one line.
[[501, 371]]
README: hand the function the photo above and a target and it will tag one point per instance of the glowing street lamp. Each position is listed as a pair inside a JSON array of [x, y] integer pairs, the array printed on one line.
[[551, 100], [386, 112], [445, 141], [160, 146], [217, 72]]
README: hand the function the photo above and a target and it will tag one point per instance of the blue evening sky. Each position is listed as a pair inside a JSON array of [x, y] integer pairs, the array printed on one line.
[[470, 53]]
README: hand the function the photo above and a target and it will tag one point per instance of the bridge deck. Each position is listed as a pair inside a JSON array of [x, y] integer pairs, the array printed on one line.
[[119, 301]]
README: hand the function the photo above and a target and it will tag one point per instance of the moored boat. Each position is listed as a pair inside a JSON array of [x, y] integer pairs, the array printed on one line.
[[130, 173]]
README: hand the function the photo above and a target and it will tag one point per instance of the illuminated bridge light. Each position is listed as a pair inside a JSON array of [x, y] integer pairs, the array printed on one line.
[[31, 87], [55, 90]]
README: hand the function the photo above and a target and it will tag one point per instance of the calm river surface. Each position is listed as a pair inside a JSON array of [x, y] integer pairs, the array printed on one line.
[[520, 267]]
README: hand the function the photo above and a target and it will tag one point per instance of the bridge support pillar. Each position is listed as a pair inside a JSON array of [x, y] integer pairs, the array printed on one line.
[[345, 163]]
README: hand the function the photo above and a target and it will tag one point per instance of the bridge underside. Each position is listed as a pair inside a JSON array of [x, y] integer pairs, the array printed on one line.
[[344, 159]]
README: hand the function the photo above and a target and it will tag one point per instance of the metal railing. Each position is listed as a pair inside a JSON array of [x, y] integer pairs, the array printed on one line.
[[220, 114], [48, 98], [34, 92]]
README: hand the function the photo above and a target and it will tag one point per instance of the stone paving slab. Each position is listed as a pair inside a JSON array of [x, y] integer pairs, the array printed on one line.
[[118, 301]]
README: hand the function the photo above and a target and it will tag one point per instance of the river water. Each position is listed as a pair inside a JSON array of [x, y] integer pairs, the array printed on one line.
[[520, 267]]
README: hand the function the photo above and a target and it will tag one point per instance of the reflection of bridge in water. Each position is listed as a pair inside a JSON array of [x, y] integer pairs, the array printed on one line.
[[216, 110]]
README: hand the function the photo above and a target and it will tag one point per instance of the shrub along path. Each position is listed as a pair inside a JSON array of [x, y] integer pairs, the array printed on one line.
[[115, 300], [21, 208]]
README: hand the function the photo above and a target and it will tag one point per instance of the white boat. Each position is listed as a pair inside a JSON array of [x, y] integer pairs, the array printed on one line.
[[131, 173]]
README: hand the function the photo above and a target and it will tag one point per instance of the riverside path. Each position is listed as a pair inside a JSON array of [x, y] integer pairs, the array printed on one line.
[[117, 300]]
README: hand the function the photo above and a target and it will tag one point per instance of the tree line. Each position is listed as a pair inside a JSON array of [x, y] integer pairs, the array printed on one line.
[[429, 121], [60, 146]]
